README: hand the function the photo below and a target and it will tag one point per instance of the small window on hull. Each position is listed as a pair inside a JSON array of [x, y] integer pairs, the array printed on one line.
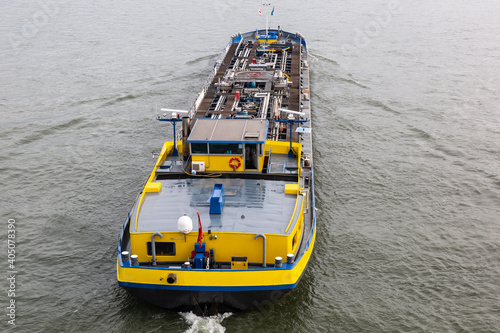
[[162, 249]]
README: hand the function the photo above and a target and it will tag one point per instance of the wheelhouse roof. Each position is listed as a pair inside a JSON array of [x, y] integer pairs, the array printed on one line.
[[229, 131]]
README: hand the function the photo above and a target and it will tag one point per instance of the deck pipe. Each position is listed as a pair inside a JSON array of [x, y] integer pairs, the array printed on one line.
[[153, 246], [264, 248], [185, 134]]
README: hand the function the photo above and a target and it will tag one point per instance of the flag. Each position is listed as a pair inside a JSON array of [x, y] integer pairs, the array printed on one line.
[[272, 12], [200, 230]]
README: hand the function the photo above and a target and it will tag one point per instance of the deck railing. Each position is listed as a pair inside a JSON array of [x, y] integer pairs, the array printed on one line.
[[209, 80]]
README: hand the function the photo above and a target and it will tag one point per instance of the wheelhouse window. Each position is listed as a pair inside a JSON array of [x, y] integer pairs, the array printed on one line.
[[162, 248], [199, 148], [226, 148]]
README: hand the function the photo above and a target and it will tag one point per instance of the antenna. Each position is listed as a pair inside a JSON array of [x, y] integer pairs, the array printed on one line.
[[291, 121], [267, 19], [302, 114], [173, 119], [174, 110]]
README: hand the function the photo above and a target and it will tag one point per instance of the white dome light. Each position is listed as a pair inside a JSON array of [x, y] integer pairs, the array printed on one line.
[[185, 224]]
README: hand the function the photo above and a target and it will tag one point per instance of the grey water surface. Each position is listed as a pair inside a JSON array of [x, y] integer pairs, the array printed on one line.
[[406, 118]]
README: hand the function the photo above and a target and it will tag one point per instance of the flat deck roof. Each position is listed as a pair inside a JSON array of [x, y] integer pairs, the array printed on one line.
[[229, 130], [251, 205]]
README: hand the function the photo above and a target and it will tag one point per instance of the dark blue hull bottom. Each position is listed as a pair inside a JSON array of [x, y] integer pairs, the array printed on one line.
[[206, 302]]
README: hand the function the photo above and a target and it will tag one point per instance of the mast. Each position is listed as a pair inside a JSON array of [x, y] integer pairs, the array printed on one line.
[[267, 4], [267, 22]]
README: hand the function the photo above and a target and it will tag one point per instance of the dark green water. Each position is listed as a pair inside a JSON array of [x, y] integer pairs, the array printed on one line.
[[407, 150]]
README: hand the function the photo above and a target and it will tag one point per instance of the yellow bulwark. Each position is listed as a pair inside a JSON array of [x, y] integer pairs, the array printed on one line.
[[219, 278]]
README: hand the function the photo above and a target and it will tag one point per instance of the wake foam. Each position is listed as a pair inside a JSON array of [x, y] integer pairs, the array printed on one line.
[[212, 324]]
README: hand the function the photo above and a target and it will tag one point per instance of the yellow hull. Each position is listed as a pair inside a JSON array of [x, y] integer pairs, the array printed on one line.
[[212, 291]]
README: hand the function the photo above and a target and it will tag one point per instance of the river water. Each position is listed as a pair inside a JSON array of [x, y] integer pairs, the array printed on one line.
[[407, 151]]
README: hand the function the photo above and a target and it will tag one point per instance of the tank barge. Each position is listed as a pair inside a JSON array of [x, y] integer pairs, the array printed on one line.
[[241, 168]]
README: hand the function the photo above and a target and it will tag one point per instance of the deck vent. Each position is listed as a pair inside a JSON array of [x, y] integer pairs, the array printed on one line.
[[198, 166], [239, 263], [251, 135]]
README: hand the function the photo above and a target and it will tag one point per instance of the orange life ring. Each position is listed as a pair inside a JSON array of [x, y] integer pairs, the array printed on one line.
[[234, 165]]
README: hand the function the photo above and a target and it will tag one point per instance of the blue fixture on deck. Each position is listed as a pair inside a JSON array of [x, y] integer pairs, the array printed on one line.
[[217, 199], [200, 255]]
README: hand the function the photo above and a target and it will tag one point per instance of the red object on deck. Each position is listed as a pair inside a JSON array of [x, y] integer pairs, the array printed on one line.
[[200, 229]]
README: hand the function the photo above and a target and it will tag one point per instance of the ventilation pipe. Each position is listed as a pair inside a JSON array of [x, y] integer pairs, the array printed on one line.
[[263, 248], [153, 246]]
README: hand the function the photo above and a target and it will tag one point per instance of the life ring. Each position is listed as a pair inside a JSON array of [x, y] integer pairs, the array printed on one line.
[[234, 163]]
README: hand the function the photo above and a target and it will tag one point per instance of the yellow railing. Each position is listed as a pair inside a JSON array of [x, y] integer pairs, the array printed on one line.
[[165, 151]]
